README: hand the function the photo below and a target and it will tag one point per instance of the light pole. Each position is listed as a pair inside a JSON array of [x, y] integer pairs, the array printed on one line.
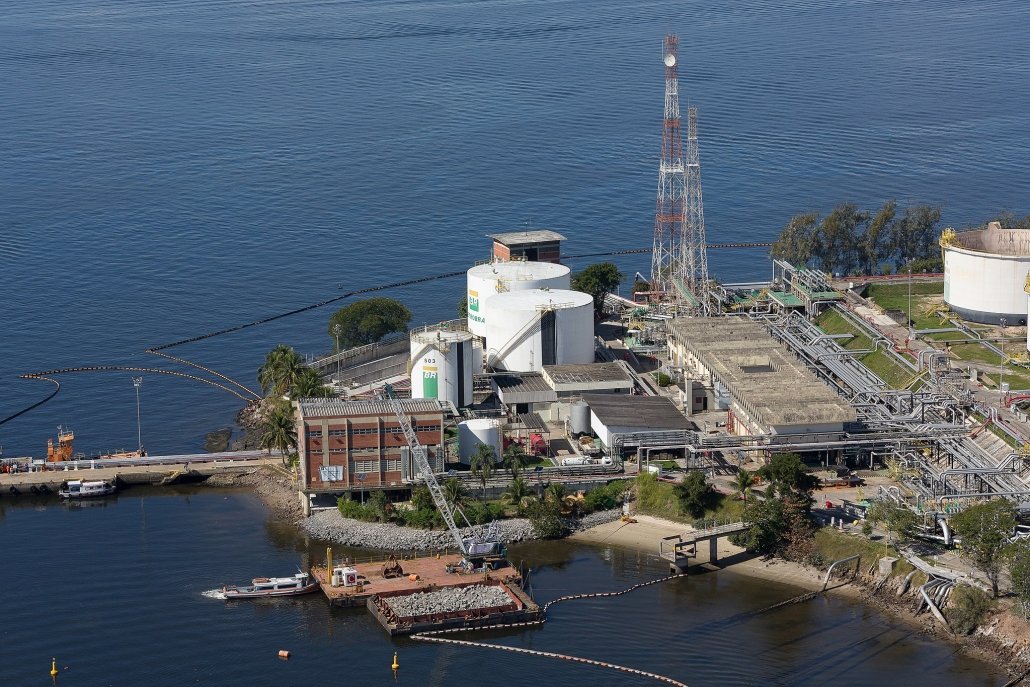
[[1004, 358], [336, 330], [911, 320], [137, 382]]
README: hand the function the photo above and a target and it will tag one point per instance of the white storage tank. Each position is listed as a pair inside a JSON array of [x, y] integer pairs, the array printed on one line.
[[984, 273], [579, 417], [529, 329], [472, 433], [442, 364], [490, 279]]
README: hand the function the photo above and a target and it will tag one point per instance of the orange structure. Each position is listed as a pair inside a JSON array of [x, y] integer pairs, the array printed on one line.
[[63, 449]]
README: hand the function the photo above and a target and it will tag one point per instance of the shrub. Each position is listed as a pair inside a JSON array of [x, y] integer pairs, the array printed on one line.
[[968, 608], [546, 519], [604, 498], [663, 379], [695, 494], [423, 518], [354, 510], [481, 513]]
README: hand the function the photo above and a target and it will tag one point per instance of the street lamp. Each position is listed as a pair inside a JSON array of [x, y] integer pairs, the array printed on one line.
[[337, 329], [136, 382], [1004, 358]]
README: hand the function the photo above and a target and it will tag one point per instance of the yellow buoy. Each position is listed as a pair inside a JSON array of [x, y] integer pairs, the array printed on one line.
[[395, 665], [53, 667]]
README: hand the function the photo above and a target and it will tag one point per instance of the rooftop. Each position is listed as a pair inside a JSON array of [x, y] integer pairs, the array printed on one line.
[[595, 373], [762, 376], [523, 387], [640, 412], [335, 407], [517, 238]]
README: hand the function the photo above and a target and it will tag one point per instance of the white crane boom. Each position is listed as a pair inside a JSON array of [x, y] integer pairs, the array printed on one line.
[[422, 461]]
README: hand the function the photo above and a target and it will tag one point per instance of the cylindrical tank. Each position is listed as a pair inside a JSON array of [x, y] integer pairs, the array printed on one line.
[[529, 329], [490, 279], [472, 433], [579, 417], [984, 274], [442, 364]]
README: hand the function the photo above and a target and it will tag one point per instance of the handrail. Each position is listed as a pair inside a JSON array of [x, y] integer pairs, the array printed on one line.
[[829, 571]]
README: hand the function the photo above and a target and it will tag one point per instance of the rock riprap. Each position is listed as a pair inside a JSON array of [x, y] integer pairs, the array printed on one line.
[[448, 599]]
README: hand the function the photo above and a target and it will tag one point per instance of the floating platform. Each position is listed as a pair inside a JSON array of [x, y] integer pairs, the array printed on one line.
[[515, 607], [428, 572]]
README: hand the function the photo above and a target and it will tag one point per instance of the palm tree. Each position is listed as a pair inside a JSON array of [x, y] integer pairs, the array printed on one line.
[[455, 491], [555, 492], [280, 370], [482, 464], [280, 433], [745, 478], [519, 493], [309, 384], [515, 459]]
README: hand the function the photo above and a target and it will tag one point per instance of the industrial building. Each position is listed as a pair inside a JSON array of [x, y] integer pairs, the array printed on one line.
[[732, 364], [985, 271], [539, 245], [612, 415], [355, 445]]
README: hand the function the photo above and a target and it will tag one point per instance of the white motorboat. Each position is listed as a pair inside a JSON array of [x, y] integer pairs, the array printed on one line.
[[82, 489], [260, 587]]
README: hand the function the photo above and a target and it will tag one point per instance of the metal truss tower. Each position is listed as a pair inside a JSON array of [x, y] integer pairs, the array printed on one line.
[[679, 260]]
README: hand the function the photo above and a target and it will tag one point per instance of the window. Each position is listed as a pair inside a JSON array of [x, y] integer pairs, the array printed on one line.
[[337, 432], [363, 465], [330, 473], [364, 430], [393, 466], [314, 433], [427, 428]]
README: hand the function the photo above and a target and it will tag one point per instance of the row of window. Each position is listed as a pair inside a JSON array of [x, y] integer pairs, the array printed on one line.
[[317, 433]]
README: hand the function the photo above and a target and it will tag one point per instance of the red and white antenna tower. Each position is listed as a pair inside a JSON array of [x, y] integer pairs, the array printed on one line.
[[679, 263]]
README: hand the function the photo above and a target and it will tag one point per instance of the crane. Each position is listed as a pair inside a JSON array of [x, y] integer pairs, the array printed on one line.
[[475, 548]]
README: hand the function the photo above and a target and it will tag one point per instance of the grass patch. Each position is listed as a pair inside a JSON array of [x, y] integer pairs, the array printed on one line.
[[659, 499], [833, 545], [879, 362], [895, 297]]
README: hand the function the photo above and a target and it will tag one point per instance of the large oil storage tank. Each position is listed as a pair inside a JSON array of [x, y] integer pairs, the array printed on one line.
[[472, 433], [529, 329], [984, 273], [490, 279], [442, 364]]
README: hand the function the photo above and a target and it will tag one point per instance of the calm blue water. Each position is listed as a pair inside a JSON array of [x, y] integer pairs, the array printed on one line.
[[176, 166], [115, 592]]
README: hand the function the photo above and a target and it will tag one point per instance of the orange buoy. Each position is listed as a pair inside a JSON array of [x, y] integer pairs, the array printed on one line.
[[283, 653]]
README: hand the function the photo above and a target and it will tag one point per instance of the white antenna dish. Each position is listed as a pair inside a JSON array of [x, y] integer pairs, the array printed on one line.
[[670, 60]]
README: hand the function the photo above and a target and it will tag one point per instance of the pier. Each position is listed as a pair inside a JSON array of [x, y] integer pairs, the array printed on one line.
[[149, 470], [678, 549]]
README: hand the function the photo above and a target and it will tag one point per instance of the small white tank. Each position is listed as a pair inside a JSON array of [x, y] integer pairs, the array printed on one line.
[[529, 329], [579, 417], [485, 281], [472, 433], [442, 364]]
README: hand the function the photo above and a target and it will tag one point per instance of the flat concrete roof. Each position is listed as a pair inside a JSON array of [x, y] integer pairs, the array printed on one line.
[[760, 373], [518, 238], [523, 387], [311, 408], [593, 375], [639, 412]]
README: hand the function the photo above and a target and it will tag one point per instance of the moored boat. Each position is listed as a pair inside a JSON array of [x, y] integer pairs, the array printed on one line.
[[260, 587], [82, 489]]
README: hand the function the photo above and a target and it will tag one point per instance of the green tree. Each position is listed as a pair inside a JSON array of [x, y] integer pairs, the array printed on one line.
[[280, 433], [968, 608], [1019, 570], [555, 493], [422, 498], [838, 238], [796, 242], [1009, 220], [743, 483], [515, 460], [899, 521], [309, 384], [875, 243], [546, 519], [482, 463], [767, 522], [598, 280], [280, 371], [914, 238], [463, 307], [518, 494], [788, 477], [695, 494], [379, 505], [368, 321], [456, 493], [985, 530]]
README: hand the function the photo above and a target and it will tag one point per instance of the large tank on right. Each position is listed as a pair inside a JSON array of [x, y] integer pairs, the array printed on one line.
[[984, 274], [529, 329], [486, 281]]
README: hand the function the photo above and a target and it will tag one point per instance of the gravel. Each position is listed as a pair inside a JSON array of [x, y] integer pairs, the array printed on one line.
[[329, 525], [448, 599]]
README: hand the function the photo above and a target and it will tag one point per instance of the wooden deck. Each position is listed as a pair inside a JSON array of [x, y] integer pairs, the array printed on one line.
[[431, 572]]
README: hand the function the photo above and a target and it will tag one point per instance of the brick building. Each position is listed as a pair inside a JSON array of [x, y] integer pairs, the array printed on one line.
[[539, 245], [357, 445]]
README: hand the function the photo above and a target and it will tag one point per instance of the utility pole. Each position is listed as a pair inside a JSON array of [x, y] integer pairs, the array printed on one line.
[[337, 329], [137, 382], [1004, 359]]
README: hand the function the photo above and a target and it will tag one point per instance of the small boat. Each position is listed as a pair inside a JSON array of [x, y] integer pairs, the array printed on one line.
[[301, 583], [81, 489]]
